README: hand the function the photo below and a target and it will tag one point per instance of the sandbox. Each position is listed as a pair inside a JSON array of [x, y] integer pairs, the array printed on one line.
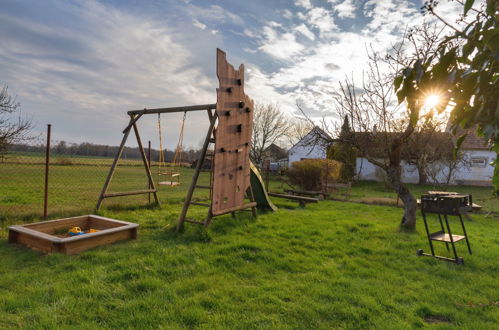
[[51, 236]]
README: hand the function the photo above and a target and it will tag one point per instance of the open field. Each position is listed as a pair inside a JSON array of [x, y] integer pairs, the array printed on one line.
[[331, 265]]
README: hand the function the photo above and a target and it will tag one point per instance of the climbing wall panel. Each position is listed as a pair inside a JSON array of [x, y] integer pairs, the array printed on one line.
[[231, 172]]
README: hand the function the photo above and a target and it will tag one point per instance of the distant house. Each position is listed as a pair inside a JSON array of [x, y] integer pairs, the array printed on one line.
[[276, 156], [476, 169], [312, 145], [479, 156], [274, 153]]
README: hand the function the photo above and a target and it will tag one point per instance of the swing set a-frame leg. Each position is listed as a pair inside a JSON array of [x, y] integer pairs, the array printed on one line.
[[146, 163], [115, 163], [126, 133]]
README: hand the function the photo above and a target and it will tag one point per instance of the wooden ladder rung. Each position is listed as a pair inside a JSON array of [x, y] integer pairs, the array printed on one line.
[[200, 204], [204, 187], [176, 174], [194, 221]]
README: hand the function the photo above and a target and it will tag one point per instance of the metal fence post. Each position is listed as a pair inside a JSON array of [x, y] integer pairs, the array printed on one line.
[[149, 165], [47, 164]]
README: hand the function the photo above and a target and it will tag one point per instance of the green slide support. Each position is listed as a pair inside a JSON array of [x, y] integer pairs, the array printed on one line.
[[262, 199]]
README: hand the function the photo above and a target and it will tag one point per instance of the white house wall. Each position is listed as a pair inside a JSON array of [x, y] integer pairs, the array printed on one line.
[[471, 175], [308, 147], [302, 152], [477, 174]]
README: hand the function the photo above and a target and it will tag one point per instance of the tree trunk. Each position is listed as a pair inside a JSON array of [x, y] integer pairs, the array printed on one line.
[[423, 178], [410, 204]]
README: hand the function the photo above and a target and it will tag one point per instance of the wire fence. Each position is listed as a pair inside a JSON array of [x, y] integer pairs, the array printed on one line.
[[75, 179]]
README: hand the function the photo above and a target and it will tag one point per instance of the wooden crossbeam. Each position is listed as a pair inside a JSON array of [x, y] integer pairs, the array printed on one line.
[[129, 193], [173, 109], [235, 208], [200, 204]]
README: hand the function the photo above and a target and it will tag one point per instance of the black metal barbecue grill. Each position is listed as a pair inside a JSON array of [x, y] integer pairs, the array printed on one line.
[[443, 205]]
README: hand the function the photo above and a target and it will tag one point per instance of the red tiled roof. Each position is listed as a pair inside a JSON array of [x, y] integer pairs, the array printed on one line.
[[472, 140]]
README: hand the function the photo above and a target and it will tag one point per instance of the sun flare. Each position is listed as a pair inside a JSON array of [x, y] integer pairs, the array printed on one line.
[[432, 101]]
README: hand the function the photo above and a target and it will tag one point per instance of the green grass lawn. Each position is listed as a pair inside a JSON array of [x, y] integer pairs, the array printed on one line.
[[330, 265]]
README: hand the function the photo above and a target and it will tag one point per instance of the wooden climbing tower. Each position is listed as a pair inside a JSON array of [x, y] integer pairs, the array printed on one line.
[[230, 131], [230, 178]]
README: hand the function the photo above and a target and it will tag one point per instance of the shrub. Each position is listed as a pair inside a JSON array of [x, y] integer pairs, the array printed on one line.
[[312, 174]]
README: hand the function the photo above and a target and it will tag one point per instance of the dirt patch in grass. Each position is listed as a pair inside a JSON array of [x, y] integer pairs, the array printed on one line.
[[380, 201], [433, 319]]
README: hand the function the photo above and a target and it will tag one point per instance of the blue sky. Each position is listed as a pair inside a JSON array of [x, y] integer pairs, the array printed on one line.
[[80, 65]]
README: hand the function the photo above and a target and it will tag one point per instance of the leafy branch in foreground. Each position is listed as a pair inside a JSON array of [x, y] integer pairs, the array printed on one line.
[[465, 70]]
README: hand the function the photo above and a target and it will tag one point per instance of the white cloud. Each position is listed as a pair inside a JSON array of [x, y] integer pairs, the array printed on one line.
[[304, 4], [321, 19], [344, 9], [280, 46], [249, 33], [214, 13], [198, 24], [303, 29], [274, 24], [286, 13]]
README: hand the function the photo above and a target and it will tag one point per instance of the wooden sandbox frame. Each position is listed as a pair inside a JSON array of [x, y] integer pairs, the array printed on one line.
[[41, 236]]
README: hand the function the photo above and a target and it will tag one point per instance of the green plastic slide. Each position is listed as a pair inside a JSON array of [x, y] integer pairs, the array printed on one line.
[[262, 199]]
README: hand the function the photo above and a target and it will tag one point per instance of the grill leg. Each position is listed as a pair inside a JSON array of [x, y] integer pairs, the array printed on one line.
[[428, 234], [465, 234], [451, 238], [442, 226]]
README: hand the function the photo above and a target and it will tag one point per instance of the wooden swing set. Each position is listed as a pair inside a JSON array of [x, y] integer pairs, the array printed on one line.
[[230, 130]]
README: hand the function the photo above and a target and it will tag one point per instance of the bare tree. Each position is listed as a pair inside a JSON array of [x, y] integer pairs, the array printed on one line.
[[269, 126], [428, 145], [443, 171], [299, 128], [384, 126], [12, 130]]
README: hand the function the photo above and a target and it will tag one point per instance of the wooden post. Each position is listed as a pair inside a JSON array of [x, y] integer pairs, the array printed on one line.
[[251, 197], [47, 164], [149, 165], [267, 174], [324, 187], [144, 159], [195, 177], [113, 166]]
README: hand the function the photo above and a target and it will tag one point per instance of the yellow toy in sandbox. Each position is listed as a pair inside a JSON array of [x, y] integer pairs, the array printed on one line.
[[75, 231]]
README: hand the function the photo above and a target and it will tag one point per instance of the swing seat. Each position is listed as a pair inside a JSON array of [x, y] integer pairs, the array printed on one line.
[[169, 183], [170, 174]]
